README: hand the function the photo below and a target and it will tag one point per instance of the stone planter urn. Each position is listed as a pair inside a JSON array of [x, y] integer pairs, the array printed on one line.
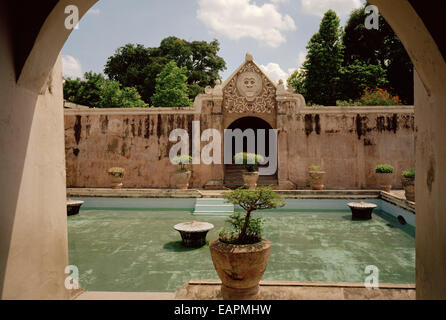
[[182, 179], [316, 179], [384, 181], [250, 179], [409, 188], [240, 267], [117, 175]]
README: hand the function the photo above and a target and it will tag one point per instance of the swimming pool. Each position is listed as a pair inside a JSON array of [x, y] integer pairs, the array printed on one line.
[[129, 245]]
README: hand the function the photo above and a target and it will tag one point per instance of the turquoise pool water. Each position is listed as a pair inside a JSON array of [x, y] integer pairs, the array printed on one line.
[[130, 245]]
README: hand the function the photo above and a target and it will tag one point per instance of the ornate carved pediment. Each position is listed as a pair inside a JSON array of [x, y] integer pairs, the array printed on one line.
[[249, 91]]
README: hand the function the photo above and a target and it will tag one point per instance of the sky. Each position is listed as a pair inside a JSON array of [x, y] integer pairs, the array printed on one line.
[[276, 32]]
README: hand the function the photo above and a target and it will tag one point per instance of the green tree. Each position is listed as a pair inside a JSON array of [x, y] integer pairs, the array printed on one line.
[[379, 47], [96, 91], [86, 92], [137, 66], [171, 88], [324, 61], [358, 76], [297, 81]]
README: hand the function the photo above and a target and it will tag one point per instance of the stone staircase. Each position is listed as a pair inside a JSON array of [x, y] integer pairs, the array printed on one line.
[[233, 178], [212, 207]]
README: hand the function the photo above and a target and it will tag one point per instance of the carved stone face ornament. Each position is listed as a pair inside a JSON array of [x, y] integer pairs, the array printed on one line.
[[249, 85]]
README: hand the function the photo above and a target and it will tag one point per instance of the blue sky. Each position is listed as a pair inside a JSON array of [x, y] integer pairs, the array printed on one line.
[[275, 31]]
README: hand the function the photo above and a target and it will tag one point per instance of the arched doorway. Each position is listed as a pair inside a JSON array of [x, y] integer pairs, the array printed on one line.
[[233, 172]]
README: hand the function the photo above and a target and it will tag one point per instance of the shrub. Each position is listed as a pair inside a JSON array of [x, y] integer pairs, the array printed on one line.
[[410, 174], [384, 168], [243, 228], [116, 172], [249, 160], [182, 161], [314, 168], [379, 97]]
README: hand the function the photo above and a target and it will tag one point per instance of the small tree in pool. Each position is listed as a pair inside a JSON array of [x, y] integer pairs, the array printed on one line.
[[245, 229]]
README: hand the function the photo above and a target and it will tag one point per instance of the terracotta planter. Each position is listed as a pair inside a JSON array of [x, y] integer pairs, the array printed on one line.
[[409, 188], [250, 179], [182, 179], [316, 179], [116, 181], [240, 267], [384, 181]]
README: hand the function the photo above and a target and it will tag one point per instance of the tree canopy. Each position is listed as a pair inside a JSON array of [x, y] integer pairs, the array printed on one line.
[[382, 48], [96, 91], [138, 66], [171, 88], [324, 61], [342, 64]]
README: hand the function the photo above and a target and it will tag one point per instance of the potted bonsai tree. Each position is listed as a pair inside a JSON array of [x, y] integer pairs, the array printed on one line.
[[408, 180], [251, 162], [240, 254], [117, 175], [316, 177], [182, 174], [384, 176]]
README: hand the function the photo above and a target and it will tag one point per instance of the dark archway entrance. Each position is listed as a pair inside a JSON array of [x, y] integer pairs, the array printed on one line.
[[233, 173]]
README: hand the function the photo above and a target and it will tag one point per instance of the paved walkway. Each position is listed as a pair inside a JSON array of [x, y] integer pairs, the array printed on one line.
[[269, 290]]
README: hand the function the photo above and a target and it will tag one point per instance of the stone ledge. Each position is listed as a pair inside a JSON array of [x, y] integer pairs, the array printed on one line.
[[290, 290]]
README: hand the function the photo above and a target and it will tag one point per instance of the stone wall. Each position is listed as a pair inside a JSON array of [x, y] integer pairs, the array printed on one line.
[[348, 142]]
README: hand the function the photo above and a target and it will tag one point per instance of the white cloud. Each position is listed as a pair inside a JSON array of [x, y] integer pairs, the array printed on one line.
[[72, 68], [301, 58], [319, 7], [276, 73], [238, 19], [94, 11]]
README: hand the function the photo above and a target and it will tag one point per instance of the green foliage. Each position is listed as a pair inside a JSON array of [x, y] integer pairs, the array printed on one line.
[[297, 81], [171, 88], [410, 174], [182, 161], [138, 66], [249, 160], [384, 168], [98, 92], [379, 97], [116, 172], [244, 229], [322, 66], [235, 221], [373, 97], [358, 76], [314, 168], [86, 92], [380, 48]]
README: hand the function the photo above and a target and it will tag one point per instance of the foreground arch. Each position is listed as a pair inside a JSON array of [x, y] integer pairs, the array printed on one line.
[[33, 235]]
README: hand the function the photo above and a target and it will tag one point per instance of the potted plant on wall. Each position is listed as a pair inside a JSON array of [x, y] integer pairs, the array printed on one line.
[[316, 177], [408, 180], [384, 176], [240, 254], [182, 174], [251, 162], [117, 175]]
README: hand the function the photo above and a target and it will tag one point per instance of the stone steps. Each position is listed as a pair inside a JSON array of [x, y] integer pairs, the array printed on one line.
[[213, 207]]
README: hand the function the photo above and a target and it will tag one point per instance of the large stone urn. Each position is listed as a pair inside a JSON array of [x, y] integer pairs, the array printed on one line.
[[240, 267], [250, 179], [116, 176], [316, 179], [384, 181], [409, 188], [182, 179]]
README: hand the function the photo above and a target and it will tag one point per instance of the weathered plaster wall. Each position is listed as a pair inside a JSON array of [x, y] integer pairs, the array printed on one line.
[[347, 142], [33, 229]]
